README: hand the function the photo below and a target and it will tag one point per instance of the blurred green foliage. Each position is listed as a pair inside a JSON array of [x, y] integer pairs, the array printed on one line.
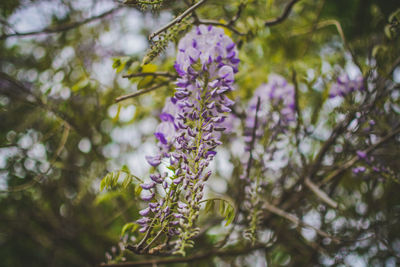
[[61, 131]]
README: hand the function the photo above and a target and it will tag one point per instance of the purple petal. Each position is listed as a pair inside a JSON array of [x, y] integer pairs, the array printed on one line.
[[145, 212], [154, 160], [148, 185]]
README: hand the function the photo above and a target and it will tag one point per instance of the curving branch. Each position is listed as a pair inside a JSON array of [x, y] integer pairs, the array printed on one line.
[[353, 160], [154, 74], [277, 211], [177, 19], [60, 28], [196, 257], [320, 194], [217, 23], [140, 92], [253, 139], [283, 16]]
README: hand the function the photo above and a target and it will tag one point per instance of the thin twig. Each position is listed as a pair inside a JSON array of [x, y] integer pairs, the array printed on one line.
[[321, 194], [154, 74], [60, 28], [138, 93], [237, 15], [339, 29], [253, 139], [283, 16], [351, 162], [339, 128], [299, 117], [217, 23], [177, 19], [196, 257], [297, 221]]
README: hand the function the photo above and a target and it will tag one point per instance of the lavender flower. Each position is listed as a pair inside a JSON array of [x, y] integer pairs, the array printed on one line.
[[278, 94], [190, 128], [361, 154], [344, 85], [359, 169]]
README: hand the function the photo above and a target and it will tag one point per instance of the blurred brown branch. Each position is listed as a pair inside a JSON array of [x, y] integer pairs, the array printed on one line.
[[140, 92], [196, 257], [60, 28], [154, 74], [283, 16], [177, 19]]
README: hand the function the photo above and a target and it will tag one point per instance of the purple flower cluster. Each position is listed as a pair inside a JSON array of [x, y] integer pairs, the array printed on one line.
[[191, 123], [276, 95], [344, 85]]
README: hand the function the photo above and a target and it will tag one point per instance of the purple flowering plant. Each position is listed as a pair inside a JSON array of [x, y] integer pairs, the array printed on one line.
[[189, 132], [345, 85]]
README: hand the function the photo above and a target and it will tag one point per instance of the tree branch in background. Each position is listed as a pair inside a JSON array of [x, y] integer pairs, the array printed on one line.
[[352, 161], [60, 28], [141, 92], [217, 23], [154, 74], [277, 211], [177, 19], [321, 194], [283, 16], [241, 6], [253, 139], [196, 257]]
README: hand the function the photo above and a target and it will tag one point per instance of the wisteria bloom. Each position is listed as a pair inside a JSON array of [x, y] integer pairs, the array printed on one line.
[[189, 131], [344, 85], [276, 95]]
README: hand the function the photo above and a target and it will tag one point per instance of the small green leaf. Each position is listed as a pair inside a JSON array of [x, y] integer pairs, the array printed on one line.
[[222, 208], [125, 169], [127, 181], [116, 63], [209, 206], [230, 215], [102, 184], [116, 118], [138, 190], [129, 227]]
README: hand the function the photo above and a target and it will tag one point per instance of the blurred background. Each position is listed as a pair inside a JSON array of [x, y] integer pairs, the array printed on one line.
[[61, 131]]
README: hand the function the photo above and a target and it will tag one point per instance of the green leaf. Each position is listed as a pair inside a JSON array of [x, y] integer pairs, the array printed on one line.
[[138, 190], [129, 227], [116, 63], [127, 181], [116, 118], [111, 180], [222, 208], [209, 205], [82, 83], [225, 209], [229, 215], [125, 169]]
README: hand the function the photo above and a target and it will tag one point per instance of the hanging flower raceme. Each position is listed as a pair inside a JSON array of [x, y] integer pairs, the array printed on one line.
[[277, 105], [344, 86], [191, 124], [271, 109]]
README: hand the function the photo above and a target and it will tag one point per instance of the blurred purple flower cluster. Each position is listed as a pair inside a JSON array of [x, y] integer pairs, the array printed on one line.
[[344, 85], [277, 94], [191, 123]]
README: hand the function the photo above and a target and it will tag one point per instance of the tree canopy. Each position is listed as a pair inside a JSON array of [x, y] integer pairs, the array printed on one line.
[[200, 133]]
